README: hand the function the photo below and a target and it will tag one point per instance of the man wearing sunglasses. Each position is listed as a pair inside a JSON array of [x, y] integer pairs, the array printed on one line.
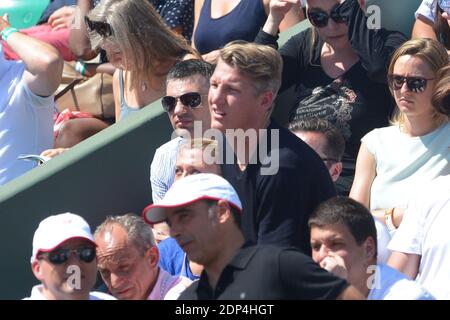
[[185, 103], [323, 138], [64, 260]]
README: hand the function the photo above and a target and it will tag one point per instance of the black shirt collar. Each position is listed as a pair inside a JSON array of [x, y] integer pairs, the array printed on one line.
[[239, 261]]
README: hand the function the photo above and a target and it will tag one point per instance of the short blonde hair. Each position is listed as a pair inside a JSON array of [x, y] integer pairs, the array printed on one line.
[[262, 64], [141, 34], [431, 52]]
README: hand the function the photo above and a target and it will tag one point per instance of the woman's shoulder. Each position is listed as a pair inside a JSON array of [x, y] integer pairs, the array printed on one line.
[[380, 134]]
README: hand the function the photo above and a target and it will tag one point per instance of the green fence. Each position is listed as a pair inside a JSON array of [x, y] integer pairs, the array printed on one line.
[[107, 174]]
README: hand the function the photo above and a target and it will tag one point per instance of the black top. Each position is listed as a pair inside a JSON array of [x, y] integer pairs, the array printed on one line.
[[268, 273], [276, 207], [356, 102]]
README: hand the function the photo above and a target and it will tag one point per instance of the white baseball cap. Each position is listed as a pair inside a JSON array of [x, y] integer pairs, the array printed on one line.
[[202, 186], [54, 230]]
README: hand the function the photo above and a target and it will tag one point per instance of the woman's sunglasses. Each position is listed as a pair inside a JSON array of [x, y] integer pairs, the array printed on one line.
[[102, 28], [319, 18], [414, 84], [190, 99], [60, 256]]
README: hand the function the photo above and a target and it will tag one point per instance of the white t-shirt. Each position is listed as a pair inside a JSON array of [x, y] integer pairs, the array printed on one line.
[[26, 121], [390, 284], [36, 294], [425, 231], [427, 9], [383, 238], [404, 163]]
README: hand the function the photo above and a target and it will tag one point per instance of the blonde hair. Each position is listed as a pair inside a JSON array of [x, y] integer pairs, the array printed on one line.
[[441, 95], [431, 52], [261, 63], [142, 36]]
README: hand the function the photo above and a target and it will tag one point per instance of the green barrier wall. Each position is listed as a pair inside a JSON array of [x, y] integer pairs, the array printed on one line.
[[107, 174], [104, 175]]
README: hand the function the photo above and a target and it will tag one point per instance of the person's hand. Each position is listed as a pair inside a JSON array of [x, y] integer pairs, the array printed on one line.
[[161, 231], [51, 153], [335, 264], [279, 8], [62, 18], [4, 22], [211, 57]]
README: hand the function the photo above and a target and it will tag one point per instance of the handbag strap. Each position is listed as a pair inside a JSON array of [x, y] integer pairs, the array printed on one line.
[[70, 86]]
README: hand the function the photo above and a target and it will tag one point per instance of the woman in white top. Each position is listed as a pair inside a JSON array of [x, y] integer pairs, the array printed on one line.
[[421, 246], [394, 161]]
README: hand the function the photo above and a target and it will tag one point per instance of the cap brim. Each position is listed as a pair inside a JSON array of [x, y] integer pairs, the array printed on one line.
[[156, 213]]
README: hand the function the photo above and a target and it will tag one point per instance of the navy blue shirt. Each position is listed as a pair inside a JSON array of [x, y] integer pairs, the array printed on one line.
[[276, 207], [242, 23]]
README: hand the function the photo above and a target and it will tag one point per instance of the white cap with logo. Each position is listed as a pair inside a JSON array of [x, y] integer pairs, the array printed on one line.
[[54, 230]]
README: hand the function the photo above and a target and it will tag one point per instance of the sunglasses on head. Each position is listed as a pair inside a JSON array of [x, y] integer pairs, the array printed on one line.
[[102, 28], [414, 84], [190, 99], [60, 256], [319, 18]]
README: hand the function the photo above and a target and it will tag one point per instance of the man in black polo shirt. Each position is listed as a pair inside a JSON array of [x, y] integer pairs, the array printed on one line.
[[279, 178], [203, 212]]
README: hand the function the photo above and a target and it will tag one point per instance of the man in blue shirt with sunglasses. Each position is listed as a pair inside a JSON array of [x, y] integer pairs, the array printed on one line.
[[64, 260]]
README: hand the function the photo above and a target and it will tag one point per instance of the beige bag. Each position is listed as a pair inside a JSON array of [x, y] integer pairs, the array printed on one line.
[[93, 95]]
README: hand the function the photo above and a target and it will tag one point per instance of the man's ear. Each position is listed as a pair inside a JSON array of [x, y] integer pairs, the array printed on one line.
[[152, 254], [223, 211], [335, 172], [370, 250], [37, 270], [267, 98]]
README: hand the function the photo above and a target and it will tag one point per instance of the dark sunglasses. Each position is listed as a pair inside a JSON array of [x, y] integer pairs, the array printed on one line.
[[319, 18], [101, 27], [414, 84], [59, 256], [190, 99]]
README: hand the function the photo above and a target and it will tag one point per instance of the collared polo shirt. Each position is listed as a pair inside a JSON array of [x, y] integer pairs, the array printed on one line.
[[268, 273]]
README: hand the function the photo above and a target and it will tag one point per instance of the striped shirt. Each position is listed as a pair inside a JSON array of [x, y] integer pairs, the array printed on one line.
[[162, 169]]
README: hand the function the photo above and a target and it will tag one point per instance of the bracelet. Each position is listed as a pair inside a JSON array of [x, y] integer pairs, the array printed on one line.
[[80, 67], [7, 32], [389, 219]]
